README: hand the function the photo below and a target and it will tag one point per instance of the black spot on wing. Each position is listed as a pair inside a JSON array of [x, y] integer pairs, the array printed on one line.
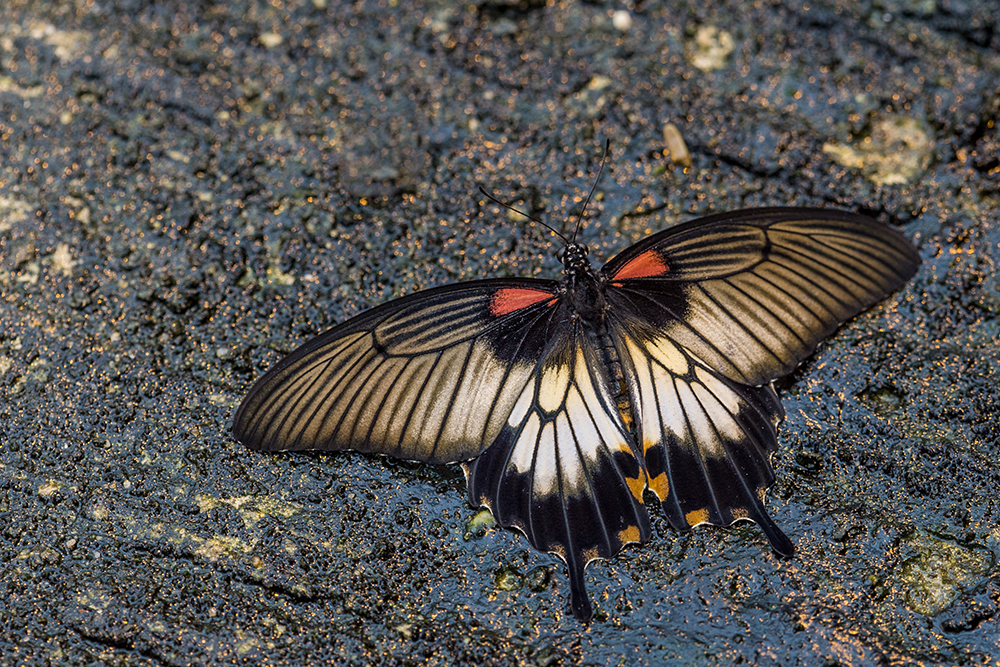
[[658, 301], [528, 333]]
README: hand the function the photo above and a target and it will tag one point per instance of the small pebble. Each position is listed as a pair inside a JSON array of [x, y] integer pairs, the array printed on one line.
[[622, 20], [675, 145]]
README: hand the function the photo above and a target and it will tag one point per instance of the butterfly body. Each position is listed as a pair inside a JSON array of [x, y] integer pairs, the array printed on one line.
[[566, 401], [583, 294]]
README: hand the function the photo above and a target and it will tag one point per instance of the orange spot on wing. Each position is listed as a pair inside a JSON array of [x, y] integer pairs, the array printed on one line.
[[660, 486], [630, 534], [511, 299], [647, 265], [696, 517], [636, 486]]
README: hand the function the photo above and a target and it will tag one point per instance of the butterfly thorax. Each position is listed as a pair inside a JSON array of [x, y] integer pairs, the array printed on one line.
[[584, 289]]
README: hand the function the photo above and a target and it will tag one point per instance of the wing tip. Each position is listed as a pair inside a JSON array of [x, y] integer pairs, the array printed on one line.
[[240, 434], [245, 432]]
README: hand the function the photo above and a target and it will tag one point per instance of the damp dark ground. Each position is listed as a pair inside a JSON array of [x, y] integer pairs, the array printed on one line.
[[188, 190]]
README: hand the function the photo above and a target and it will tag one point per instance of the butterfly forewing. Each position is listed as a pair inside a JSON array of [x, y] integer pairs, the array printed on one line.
[[751, 293], [430, 377], [564, 469]]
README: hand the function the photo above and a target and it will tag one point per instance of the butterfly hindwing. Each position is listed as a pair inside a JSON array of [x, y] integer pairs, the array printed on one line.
[[563, 469], [706, 439], [430, 377], [751, 293]]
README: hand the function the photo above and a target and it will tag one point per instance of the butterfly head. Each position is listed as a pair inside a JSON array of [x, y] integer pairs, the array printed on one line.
[[574, 257]]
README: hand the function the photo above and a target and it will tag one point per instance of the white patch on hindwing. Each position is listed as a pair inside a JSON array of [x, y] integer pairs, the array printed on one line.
[[665, 352], [722, 403], [559, 443], [546, 480], [552, 387], [524, 449], [574, 478], [700, 413], [524, 403]]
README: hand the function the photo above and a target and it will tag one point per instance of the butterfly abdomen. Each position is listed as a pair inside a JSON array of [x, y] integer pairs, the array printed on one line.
[[618, 387]]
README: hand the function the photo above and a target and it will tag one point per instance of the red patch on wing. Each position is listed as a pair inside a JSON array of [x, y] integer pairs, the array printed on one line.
[[510, 299], [647, 265]]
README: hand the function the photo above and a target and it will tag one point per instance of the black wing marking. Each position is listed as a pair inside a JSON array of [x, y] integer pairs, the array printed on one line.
[[707, 440], [564, 470], [429, 377], [751, 293]]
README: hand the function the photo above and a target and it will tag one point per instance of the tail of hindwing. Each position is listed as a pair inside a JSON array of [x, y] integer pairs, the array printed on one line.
[[564, 472]]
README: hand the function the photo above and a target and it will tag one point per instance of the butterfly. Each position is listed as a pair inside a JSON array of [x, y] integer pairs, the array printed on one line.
[[567, 401]]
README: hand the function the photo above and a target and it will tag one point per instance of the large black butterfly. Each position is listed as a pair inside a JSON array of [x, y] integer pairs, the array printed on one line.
[[567, 400]]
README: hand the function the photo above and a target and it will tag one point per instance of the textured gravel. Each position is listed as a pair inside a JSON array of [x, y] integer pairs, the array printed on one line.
[[189, 190]]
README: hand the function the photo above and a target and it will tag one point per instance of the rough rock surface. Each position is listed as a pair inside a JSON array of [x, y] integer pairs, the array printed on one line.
[[189, 189]]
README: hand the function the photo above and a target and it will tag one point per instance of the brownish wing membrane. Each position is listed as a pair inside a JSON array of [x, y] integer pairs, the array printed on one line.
[[701, 316], [707, 313]]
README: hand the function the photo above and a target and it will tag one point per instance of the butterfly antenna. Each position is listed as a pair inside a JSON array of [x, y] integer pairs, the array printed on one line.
[[529, 217], [579, 220]]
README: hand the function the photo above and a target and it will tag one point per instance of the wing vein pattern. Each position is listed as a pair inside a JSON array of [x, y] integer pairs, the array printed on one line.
[[431, 377], [752, 293], [706, 314]]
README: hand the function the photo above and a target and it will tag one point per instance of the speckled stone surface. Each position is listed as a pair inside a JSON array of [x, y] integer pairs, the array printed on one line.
[[189, 190]]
